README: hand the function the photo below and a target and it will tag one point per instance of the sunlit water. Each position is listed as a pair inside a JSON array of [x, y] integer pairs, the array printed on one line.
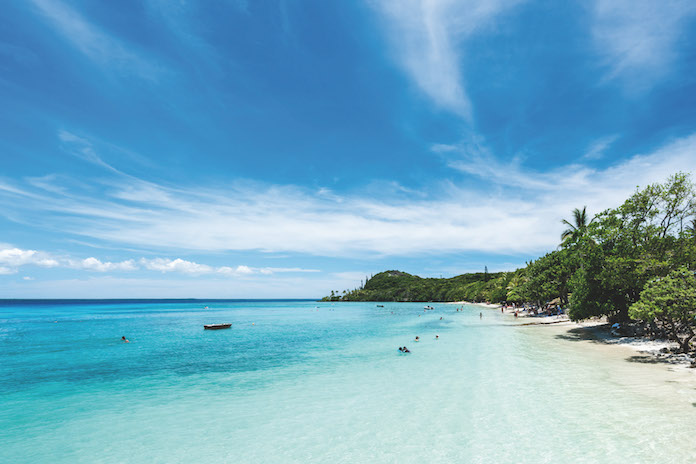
[[314, 382]]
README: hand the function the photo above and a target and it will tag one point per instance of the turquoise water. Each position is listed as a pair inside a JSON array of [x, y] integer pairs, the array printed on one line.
[[315, 382]]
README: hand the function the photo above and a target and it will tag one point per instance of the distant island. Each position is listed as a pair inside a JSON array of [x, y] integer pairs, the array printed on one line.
[[401, 286]]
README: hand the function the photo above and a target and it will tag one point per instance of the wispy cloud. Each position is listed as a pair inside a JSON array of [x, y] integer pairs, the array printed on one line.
[[95, 43], [521, 215], [82, 148], [598, 147], [427, 36], [638, 38]]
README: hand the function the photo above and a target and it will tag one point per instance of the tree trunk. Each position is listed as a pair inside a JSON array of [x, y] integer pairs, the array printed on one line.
[[684, 344]]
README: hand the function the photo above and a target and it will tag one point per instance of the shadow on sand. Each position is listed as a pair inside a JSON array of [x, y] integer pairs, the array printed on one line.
[[582, 334], [646, 359]]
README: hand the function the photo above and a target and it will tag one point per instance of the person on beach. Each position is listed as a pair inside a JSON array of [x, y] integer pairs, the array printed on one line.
[[124, 339], [480, 315]]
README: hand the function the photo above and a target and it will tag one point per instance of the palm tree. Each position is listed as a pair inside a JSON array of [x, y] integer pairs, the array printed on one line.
[[577, 230], [692, 227]]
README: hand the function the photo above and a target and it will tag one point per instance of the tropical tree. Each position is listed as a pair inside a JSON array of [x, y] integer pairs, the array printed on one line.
[[577, 228], [626, 247], [670, 300]]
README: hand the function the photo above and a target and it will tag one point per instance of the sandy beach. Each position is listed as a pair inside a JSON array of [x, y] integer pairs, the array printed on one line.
[[598, 333]]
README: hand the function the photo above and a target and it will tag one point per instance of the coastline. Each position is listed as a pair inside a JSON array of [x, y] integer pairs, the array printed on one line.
[[645, 350]]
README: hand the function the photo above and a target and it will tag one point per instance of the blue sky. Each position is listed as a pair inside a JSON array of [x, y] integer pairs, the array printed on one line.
[[240, 149]]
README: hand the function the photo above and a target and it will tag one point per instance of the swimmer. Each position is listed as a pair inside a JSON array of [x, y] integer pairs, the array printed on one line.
[[437, 337], [417, 338], [401, 349], [440, 317], [406, 350], [480, 315], [124, 339]]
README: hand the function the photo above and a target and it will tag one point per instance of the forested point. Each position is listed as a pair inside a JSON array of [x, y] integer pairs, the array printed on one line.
[[401, 286], [635, 262]]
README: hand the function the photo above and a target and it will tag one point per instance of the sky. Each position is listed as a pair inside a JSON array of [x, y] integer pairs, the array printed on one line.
[[284, 149]]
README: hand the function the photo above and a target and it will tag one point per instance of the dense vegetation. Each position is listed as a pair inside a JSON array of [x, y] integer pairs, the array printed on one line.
[[635, 261], [400, 286]]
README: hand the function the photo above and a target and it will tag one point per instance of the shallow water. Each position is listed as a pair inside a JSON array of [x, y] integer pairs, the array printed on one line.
[[316, 382]]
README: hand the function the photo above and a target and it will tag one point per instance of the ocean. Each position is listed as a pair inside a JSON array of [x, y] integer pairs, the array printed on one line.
[[318, 382]]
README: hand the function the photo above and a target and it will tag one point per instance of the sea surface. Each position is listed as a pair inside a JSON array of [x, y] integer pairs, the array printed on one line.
[[308, 382]]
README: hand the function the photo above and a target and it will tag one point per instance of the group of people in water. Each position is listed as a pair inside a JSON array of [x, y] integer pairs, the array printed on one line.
[[403, 349]]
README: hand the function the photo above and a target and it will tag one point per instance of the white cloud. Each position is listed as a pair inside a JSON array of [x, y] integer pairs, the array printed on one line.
[[235, 271], [94, 264], [639, 38], [175, 265], [27, 278], [427, 36], [12, 258], [521, 214]]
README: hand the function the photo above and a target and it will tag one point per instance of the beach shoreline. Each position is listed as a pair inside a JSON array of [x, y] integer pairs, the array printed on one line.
[[653, 351]]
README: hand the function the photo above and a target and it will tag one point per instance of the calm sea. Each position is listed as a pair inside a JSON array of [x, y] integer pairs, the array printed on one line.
[[308, 382]]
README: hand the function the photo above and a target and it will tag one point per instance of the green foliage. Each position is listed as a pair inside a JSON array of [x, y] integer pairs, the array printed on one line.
[[625, 247], [672, 297], [548, 277], [672, 301], [401, 286], [576, 229]]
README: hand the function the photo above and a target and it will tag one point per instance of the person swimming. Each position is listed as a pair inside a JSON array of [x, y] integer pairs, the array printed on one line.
[[406, 350], [417, 338], [124, 339], [437, 337]]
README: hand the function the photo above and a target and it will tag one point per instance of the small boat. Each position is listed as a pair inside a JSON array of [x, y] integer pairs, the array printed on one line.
[[217, 326]]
